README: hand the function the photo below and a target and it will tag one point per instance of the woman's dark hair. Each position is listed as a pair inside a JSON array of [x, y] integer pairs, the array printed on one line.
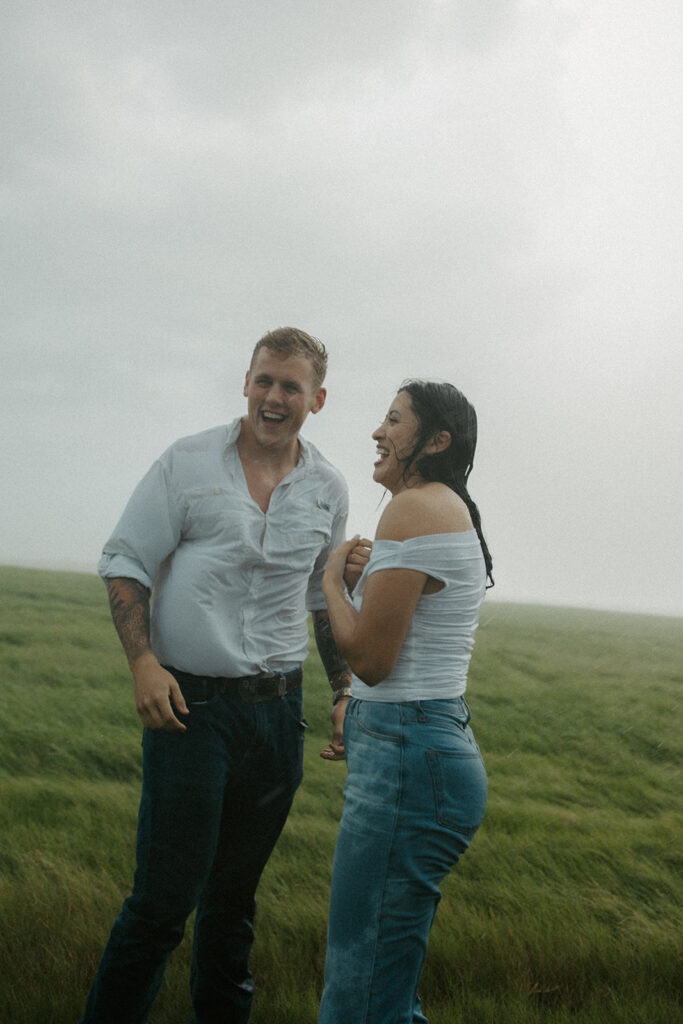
[[439, 407]]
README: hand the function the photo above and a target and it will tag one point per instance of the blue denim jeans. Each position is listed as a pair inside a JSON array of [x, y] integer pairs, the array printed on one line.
[[214, 801], [414, 797]]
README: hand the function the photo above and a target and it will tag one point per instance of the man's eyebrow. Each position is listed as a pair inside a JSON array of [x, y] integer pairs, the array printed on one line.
[[286, 383]]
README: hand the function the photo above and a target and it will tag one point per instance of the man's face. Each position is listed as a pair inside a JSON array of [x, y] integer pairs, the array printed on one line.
[[280, 394]]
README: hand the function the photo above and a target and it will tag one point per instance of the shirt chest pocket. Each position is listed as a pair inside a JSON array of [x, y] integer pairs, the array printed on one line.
[[216, 515], [295, 541]]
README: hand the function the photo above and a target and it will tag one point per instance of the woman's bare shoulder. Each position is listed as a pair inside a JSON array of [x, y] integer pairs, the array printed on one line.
[[419, 511]]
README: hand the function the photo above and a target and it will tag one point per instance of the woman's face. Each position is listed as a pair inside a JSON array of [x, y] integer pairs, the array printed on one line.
[[396, 438]]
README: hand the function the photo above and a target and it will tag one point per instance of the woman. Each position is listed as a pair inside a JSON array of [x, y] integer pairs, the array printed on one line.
[[416, 788]]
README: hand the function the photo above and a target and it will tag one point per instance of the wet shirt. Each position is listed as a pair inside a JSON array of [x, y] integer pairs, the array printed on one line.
[[231, 584], [435, 655]]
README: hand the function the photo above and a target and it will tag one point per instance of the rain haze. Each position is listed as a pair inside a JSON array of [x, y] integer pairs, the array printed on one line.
[[485, 191]]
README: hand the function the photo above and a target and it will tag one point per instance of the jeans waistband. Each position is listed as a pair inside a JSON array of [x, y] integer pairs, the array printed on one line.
[[420, 710], [264, 686]]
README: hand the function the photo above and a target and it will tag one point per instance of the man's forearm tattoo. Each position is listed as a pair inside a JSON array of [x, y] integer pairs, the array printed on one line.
[[338, 672], [129, 603]]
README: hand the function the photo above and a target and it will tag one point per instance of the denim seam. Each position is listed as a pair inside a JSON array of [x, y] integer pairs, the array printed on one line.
[[355, 709], [370, 732], [296, 714], [384, 887]]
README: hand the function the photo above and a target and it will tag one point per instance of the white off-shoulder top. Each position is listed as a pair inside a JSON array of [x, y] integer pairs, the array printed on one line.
[[436, 652]]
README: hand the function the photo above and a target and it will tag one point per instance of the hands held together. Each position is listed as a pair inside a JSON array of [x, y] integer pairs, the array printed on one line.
[[344, 565], [347, 561]]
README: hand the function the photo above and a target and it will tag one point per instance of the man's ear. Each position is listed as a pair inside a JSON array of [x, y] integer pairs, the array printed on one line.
[[319, 400], [439, 443], [245, 392]]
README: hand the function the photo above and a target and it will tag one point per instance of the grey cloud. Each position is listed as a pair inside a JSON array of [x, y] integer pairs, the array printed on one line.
[[476, 191]]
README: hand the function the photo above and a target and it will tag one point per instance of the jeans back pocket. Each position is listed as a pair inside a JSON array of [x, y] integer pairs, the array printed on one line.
[[460, 790]]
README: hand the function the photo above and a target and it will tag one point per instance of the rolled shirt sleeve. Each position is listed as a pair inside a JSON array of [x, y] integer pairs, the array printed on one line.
[[147, 532], [315, 600]]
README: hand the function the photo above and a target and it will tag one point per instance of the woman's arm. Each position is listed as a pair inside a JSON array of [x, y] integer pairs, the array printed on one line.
[[371, 639]]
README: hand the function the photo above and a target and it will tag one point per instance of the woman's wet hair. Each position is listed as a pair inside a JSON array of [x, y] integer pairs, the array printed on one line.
[[438, 407]]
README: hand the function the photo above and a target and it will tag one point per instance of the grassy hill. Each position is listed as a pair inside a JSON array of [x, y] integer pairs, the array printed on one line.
[[566, 908]]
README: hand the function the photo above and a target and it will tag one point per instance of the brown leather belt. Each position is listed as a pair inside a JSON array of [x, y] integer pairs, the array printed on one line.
[[265, 686]]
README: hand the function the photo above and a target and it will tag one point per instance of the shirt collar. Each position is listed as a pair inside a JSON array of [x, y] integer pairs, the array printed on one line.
[[233, 432]]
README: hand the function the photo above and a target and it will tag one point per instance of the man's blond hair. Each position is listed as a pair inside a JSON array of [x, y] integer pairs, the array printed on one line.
[[290, 341]]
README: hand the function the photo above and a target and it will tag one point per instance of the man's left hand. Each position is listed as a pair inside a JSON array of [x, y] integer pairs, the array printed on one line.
[[335, 751]]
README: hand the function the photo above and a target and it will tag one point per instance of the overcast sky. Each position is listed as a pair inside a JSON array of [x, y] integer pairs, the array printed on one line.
[[480, 191]]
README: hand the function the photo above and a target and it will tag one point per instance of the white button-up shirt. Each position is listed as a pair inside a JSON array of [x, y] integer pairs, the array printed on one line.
[[231, 584]]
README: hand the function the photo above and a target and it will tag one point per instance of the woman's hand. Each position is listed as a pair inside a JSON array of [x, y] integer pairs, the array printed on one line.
[[336, 561], [347, 561], [356, 560]]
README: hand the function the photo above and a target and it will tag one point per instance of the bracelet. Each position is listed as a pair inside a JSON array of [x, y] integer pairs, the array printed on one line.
[[340, 694]]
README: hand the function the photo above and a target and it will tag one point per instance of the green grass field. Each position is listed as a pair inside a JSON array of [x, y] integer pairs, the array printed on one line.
[[566, 908]]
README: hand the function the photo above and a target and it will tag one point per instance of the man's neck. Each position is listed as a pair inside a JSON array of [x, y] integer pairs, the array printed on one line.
[[264, 467], [273, 459]]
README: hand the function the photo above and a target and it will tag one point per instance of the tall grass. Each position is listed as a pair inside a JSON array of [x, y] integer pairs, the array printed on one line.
[[567, 907]]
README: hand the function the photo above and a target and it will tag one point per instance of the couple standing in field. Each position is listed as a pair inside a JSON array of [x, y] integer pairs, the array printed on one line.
[[238, 532]]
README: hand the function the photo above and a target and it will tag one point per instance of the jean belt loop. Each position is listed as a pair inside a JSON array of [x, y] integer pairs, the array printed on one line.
[[467, 709], [421, 716]]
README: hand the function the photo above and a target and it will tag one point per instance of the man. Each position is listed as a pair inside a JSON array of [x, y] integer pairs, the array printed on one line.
[[230, 529]]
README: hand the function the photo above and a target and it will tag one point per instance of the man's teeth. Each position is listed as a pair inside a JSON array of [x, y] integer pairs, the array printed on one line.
[[382, 452], [272, 417]]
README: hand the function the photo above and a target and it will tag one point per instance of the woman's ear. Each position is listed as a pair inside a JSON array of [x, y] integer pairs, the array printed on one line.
[[439, 443]]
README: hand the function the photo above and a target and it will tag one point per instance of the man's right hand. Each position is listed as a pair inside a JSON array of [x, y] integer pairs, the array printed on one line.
[[155, 688]]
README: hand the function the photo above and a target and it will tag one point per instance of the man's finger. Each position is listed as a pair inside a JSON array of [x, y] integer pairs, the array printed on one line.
[[160, 716], [178, 699], [330, 754], [173, 725]]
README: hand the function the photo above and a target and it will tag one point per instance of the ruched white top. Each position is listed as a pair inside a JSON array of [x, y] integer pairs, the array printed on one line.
[[433, 661]]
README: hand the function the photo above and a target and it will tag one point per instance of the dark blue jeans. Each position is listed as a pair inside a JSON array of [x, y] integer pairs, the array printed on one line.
[[214, 801]]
